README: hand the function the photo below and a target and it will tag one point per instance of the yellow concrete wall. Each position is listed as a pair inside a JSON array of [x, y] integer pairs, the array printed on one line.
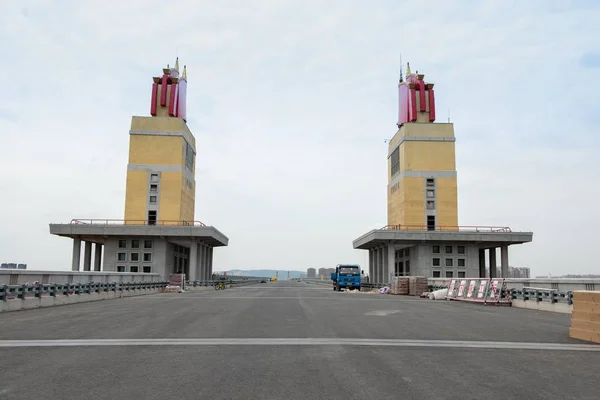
[[176, 201], [427, 156], [163, 124], [170, 196], [406, 206], [136, 196], [188, 202], [155, 150], [447, 202], [585, 318]]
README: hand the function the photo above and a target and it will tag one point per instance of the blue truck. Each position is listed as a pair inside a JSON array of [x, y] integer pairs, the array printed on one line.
[[346, 276]]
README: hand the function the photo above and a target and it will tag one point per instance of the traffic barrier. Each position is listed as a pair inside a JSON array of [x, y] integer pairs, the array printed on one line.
[[479, 290], [585, 319]]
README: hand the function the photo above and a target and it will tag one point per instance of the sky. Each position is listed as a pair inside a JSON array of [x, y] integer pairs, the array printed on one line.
[[291, 103]]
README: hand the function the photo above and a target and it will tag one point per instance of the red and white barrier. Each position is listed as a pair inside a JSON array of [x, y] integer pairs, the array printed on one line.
[[479, 290]]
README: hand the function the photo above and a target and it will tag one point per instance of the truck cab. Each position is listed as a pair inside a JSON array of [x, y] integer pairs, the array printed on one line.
[[346, 276]]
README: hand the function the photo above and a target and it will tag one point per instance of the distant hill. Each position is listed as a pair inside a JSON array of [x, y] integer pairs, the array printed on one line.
[[266, 273]]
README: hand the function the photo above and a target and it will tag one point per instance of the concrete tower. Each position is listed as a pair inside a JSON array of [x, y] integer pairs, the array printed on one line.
[[159, 234], [422, 237], [422, 187], [162, 157]]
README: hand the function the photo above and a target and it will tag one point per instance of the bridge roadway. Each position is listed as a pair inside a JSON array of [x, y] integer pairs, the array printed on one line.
[[283, 340]]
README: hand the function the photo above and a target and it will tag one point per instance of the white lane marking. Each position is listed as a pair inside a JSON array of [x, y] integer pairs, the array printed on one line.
[[382, 313], [303, 342], [154, 297]]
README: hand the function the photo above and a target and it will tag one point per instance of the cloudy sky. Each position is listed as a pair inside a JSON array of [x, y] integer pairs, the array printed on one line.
[[290, 103]]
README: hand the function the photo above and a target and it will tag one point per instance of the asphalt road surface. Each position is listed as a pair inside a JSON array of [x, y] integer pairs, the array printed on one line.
[[291, 340]]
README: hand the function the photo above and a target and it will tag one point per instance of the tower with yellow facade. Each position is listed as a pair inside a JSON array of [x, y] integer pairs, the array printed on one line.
[[159, 234], [422, 236], [422, 190], [161, 180]]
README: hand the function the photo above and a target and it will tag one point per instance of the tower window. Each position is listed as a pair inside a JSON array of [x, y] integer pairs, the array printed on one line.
[[153, 177], [395, 161], [430, 193], [430, 182], [431, 222], [152, 217], [152, 199], [430, 205], [154, 187]]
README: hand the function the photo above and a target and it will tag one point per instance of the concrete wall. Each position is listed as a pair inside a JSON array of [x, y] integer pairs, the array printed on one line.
[[421, 260], [19, 277], [159, 253]]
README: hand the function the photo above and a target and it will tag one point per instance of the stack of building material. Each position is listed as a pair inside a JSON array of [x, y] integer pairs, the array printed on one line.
[[399, 285], [403, 285], [585, 318], [417, 285]]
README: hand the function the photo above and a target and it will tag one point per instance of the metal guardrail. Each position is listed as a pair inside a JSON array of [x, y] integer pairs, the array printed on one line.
[[8, 292]]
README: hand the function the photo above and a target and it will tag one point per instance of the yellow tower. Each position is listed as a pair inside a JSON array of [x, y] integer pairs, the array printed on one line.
[[422, 185], [162, 157]]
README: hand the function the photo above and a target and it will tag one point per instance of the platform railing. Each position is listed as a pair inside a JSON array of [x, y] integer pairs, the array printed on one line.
[[477, 229], [135, 222]]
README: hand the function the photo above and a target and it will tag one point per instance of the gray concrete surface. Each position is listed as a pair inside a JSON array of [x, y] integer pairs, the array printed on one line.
[[493, 359]]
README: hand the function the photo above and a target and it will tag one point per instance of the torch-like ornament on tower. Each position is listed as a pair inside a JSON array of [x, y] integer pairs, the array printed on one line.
[[169, 93], [416, 99]]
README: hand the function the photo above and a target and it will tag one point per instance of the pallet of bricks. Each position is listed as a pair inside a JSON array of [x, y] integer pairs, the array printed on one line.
[[585, 318], [417, 285], [399, 285]]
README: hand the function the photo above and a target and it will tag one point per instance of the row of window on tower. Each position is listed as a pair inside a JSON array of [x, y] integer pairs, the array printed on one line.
[[153, 198]]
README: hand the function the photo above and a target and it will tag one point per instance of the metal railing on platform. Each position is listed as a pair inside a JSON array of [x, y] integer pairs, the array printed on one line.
[[135, 222], [478, 229]]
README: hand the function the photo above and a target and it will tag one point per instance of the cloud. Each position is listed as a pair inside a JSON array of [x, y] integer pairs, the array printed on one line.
[[291, 103]]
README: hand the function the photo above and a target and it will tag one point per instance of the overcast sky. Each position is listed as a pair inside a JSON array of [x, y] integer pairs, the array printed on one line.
[[290, 103]]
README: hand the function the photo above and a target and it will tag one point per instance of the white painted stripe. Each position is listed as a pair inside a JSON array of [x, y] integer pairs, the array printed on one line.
[[303, 342], [217, 297]]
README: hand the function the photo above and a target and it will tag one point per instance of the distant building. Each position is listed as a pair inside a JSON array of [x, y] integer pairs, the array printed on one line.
[[311, 273], [13, 266]]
